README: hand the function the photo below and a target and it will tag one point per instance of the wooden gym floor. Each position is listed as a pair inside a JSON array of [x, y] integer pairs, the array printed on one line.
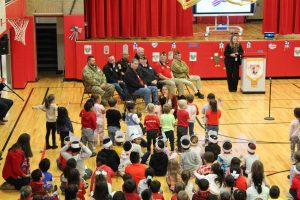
[[242, 117]]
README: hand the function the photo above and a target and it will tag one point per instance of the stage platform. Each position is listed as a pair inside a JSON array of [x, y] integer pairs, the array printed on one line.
[[252, 31]]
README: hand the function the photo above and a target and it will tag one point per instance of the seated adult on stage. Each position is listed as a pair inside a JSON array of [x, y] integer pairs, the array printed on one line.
[[233, 53], [16, 171], [114, 77], [149, 77], [165, 75], [5, 104], [181, 71], [94, 81], [134, 83], [124, 63], [139, 53]]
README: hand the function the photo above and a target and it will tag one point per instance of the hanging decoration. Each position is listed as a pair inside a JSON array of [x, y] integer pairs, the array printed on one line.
[[173, 46], [221, 46], [135, 46], [188, 3], [286, 45], [249, 45], [75, 31]]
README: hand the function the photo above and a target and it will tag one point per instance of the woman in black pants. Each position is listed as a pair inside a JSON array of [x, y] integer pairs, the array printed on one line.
[[233, 54]]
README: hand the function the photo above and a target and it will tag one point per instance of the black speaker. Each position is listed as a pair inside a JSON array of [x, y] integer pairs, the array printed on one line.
[[4, 45]]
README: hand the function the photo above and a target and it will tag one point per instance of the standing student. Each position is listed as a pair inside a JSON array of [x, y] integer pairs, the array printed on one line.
[[100, 111], [132, 122], [233, 55], [63, 124], [88, 122], [182, 122], [113, 117], [213, 115], [206, 106], [193, 111], [152, 124], [167, 122], [50, 108], [295, 133]]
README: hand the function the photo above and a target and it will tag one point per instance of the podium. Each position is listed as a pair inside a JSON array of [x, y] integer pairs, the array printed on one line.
[[253, 73]]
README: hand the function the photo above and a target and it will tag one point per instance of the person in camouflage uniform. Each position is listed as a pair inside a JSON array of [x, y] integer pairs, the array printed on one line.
[[94, 80], [181, 71]]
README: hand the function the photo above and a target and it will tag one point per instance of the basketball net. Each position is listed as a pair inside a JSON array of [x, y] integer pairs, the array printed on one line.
[[19, 26]]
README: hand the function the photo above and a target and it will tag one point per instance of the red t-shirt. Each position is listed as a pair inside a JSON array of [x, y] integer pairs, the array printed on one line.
[[108, 170], [157, 196], [241, 183], [151, 122], [37, 188], [88, 119], [165, 70], [213, 117], [182, 118], [132, 196], [13, 164], [137, 171], [174, 197]]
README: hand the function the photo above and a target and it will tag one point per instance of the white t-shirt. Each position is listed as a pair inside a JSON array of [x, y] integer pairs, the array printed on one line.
[[295, 128], [203, 111], [192, 110], [98, 109], [252, 193], [249, 160]]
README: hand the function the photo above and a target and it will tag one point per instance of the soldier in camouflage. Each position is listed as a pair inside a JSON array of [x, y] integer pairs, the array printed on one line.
[[94, 80]]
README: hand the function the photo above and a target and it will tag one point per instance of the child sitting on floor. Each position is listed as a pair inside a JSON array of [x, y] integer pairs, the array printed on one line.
[[37, 184], [155, 188], [129, 188], [159, 160], [44, 166], [173, 174], [188, 159], [225, 158], [249, 158], [26, 193], [125, 157], [208, 161], [110, 155]]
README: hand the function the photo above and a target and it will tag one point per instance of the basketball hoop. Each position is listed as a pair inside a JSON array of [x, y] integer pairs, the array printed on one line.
[[19, 26]]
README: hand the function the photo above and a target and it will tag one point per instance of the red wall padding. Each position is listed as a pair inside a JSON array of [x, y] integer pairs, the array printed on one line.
[[23, 57], [277, 65]]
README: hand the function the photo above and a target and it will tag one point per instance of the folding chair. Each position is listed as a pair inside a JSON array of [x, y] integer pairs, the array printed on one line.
[[85, 91]]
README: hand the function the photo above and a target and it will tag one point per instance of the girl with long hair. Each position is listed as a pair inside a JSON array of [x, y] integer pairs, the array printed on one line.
[[50, 108], [212, 116], [63, 124], [173, 174], [16, 170], [258, 189]]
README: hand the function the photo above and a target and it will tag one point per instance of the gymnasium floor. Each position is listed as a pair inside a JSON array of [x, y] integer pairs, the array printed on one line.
[[242, 117]]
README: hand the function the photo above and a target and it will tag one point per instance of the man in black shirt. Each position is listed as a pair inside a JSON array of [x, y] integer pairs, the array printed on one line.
[[123, 64], [113, 76], [5, 104]]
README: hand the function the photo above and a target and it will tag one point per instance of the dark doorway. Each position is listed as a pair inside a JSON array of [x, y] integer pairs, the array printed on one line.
[[46, 47]]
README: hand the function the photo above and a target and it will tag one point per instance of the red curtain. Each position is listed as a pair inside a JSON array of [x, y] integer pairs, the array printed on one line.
[[137, 18], [281, 16], [297, 17]]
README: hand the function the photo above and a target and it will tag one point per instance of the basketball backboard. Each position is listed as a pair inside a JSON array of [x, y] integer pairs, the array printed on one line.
[[2, 17]]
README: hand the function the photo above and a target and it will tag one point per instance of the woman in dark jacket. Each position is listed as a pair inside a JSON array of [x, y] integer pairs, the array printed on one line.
[[233, 54]]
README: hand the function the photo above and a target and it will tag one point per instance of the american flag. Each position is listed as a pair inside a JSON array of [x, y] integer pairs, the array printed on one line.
[[217, 2]]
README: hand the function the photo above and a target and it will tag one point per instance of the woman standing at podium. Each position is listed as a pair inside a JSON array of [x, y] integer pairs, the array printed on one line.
[[233, 54]]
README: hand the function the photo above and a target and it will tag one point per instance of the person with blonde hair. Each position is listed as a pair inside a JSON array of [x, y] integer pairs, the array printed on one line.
[[152, 124], [233, 55], [182, 121]]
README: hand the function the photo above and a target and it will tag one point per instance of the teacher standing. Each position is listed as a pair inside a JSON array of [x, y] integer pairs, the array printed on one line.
[[233, 54]]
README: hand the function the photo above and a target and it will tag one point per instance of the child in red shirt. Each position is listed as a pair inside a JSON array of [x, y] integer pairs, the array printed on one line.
[[129, 188], [152, 124], [182, 121], [213, 115], [155, 188], [88, 122], [37, 183], [240, 181]]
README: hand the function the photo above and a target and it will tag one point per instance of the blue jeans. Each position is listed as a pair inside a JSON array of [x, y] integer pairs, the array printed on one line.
[[154, 94], [145, 93], [120, 90], [191, 128]]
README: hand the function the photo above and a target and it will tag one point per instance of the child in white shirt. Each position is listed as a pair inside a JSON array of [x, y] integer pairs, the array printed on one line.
[[249, 158], [295, 133], [100, 111], [193, 111], [132, 121]]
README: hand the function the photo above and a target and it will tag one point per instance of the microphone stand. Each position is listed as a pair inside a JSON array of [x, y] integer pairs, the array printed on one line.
[[270, 92], [5, 85]]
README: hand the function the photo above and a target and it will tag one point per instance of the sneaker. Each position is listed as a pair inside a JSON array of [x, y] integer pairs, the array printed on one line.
[[7, 186], [54, 146], [93, 154], [199, 95]]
